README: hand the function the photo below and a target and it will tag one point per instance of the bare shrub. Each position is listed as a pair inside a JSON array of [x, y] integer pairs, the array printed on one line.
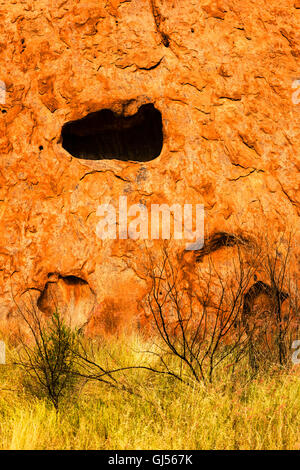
[[58, 360], [47, 354], [199, 320], [223, 315]]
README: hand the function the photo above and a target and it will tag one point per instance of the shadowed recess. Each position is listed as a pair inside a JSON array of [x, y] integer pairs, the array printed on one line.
[[219, 240], [275, 296], [71, 296], [107, 135]]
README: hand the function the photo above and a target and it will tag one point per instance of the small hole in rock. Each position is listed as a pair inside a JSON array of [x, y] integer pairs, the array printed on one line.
[[107, 135], [3, 111], [165, 40], [41, 147]]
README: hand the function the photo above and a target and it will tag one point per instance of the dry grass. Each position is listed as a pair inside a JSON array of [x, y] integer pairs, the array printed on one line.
[[260, 414]]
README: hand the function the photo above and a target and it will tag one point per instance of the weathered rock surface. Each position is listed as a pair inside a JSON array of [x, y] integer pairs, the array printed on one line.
[[221, 73]]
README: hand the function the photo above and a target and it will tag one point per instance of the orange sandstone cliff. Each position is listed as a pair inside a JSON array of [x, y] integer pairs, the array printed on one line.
[[183, 102]]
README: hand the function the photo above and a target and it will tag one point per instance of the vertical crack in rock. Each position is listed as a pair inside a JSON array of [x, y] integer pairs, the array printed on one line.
[[158, 19], [107, 135]]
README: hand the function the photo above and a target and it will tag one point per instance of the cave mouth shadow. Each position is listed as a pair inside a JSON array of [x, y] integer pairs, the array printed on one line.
[[107, 135]]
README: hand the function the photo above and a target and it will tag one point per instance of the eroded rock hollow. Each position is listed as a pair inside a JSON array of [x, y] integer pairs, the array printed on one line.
[[105, 135]]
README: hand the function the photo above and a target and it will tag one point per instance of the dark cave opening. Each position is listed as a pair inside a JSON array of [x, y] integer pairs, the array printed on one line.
[[107, 135]]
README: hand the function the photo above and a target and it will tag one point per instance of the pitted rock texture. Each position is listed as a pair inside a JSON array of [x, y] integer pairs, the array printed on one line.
[[220, 73]]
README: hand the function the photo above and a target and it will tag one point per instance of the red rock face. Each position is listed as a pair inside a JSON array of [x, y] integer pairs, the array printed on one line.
[[223, 76]]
